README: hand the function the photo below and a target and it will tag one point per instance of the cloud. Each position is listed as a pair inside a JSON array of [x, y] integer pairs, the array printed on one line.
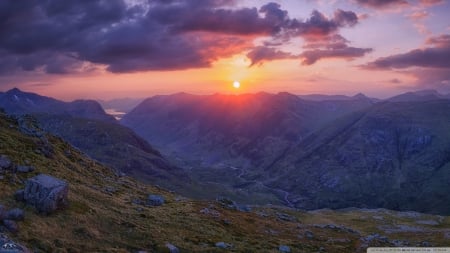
[[59, 37], [380, 4], [333, 46], [429, 65], [437, 56], [259, 55]]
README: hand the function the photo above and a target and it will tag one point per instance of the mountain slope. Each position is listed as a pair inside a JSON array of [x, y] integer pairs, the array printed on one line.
[[394, 155], [84, 124], [104, 214]]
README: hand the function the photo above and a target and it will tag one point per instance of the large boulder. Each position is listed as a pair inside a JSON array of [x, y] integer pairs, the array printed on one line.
[[5, 162], [46, 193]]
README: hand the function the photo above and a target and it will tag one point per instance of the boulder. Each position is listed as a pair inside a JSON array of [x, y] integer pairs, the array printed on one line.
[[223, 245], [46, 193], [5, 162], [155, 200], [16, 214], [172, 248], [8, 246], [284, 249]]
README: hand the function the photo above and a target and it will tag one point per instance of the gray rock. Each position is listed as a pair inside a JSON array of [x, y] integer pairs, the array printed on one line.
[[46, 193], [25, 168], [172, 248], [16, 214], [155, 200], [284, 249], [5, 162], [309, 234], [8, 246], [224, 245], [11, 226]]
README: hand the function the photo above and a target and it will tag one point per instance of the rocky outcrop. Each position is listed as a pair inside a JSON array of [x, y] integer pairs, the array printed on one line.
[[45, 193]]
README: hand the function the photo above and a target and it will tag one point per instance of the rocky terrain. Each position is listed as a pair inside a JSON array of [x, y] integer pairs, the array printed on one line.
[[106, 212]]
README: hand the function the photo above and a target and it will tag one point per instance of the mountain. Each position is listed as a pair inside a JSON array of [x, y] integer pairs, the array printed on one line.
[[84, 124], [393, 155], [421, 95], [16, 101], [222, 138], [321, 97], [108, 213]]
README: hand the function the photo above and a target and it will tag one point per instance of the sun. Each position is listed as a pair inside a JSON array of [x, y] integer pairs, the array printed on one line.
[[236, 84]]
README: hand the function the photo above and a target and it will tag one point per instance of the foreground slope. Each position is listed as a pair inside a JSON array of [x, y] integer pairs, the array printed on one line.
[[104, 214]]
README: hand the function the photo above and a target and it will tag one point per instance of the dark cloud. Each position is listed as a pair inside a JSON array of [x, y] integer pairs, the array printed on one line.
[[437, 56], [381, 3], [429, 65], [64, 36], [349, 53], [259, 55]]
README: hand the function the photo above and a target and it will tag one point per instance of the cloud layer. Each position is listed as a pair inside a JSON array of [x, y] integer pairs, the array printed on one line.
[[77, 36]]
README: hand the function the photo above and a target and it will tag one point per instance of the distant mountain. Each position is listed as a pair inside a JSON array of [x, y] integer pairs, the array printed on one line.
[[224, 138], [84, 124], [16, 101], [394, 155], [321, 97], [422, 95]]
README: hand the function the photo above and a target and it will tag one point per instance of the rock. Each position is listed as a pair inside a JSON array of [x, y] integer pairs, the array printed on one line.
[[309, 234], [8, 246], [25, 168], [209, 211], [227, 203], [11, 226], [46, 193], [5, 162], [19, 195], [110, 189], [155, 200], [284, 249], [224, 245], [16, 214], [286, 217], [172, 248]]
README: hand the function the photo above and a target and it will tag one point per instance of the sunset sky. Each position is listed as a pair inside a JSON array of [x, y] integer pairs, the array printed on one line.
[[138, 48]]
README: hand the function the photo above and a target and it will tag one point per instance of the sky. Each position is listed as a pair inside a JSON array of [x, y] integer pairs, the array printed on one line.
[[105, 49]]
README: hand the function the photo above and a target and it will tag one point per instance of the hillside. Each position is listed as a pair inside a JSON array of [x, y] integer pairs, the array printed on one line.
[[85, 125], [394, 155], [105, 215]]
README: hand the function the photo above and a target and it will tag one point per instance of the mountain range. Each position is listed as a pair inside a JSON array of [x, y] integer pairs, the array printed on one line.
[[306, 152]]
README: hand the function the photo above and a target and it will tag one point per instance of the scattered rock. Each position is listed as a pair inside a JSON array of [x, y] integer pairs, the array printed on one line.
[[16, 214], [46, 193], [11, 226], [286, 217], [284, 249], [224, 245], [209, 211], [309, 234], [172, 248], [226, 202], [25, 168], [155, 200]]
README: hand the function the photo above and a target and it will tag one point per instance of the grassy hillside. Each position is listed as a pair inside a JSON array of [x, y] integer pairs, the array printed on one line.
[[102, 216]]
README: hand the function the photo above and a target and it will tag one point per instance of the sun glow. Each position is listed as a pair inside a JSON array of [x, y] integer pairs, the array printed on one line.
[[236, 84]]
